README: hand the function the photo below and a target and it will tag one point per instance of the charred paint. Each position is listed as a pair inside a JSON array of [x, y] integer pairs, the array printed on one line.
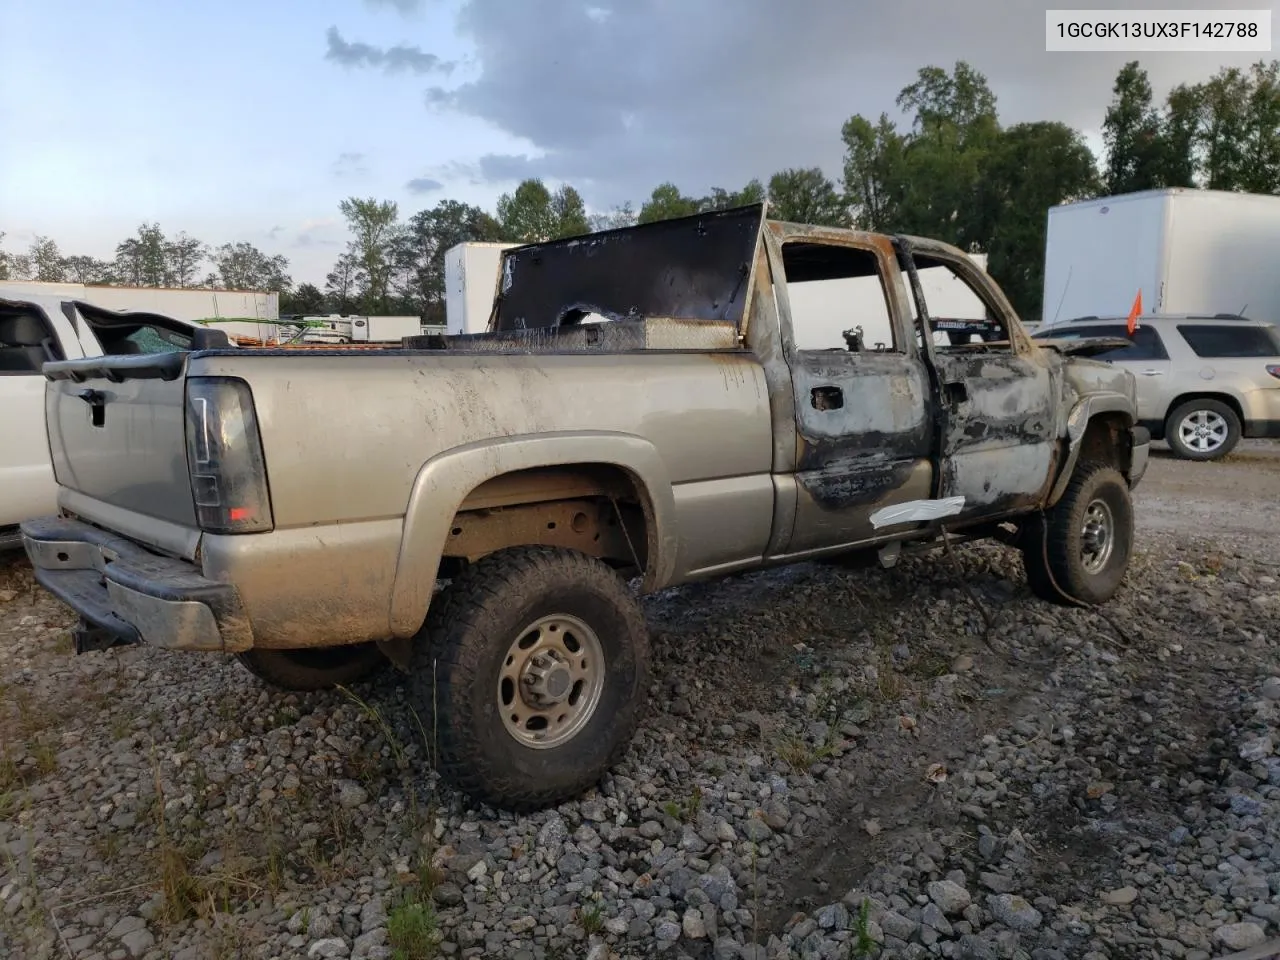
[[842, 483], [694, 268]]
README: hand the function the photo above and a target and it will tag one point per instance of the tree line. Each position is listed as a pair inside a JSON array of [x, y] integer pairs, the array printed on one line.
[[951, 171]]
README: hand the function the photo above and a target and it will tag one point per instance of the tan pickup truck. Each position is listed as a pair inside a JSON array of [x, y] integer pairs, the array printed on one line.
[[671, 402]]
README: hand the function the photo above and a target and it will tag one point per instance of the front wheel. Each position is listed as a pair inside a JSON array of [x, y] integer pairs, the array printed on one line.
[[1202, 430], [533, 668], [1080, 551]]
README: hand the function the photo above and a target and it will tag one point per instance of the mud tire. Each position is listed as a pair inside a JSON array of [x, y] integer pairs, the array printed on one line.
[[458, 657], [1053, 550]]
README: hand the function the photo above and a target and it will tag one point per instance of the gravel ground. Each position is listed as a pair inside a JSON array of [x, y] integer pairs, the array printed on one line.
[[837, 764]]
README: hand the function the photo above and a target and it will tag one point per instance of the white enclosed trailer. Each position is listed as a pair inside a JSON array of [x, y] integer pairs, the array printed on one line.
[[336, 328], [1188, 251], [470, 284], [384, 329]]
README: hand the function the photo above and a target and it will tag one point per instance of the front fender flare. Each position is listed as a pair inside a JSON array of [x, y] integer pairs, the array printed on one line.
[[1078, 419], [444, 481]]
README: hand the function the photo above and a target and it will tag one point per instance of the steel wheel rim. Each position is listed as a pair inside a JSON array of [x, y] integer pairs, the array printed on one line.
[[1203, 431], [1097, 535], [550, 681]]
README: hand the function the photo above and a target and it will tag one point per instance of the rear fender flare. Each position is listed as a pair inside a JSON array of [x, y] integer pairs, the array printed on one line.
[[444, 482]]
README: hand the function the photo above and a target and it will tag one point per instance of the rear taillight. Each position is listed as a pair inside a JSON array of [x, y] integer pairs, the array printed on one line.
[[1274, 370], [224, 457]]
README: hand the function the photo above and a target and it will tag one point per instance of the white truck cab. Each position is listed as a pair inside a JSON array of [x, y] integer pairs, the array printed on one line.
[[34, 329]]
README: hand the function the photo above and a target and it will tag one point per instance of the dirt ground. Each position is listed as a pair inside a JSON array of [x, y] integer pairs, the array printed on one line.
[[1237, 498]]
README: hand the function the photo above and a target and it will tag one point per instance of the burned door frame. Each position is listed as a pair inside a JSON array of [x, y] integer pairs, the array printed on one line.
[[997, 433], [873, 446]]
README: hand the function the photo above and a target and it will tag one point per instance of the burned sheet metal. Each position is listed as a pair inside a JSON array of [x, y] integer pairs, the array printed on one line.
[[856, 481], [691, 268]]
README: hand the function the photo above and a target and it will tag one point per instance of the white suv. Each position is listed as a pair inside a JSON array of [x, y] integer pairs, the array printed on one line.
[[1203, 382]]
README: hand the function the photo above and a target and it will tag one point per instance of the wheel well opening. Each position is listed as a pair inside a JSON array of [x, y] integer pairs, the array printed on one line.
[[1229, 400], [598, 509], [1104, 441]]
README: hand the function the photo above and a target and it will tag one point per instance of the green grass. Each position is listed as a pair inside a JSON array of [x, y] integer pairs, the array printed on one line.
[[799, 755], [411, 931], [46, 756], [862, 945], [685, 810], [591, 918]]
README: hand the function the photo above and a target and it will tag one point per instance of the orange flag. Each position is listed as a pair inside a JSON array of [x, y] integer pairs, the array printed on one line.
[[1134, 311]]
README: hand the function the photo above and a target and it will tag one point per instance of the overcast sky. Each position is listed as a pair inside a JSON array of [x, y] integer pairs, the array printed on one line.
[[246, 120]]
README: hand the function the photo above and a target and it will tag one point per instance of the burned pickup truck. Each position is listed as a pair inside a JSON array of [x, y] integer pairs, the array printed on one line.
[[671, 402]]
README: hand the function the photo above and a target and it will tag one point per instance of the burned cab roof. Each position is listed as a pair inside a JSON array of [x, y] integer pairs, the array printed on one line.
[[691, 268]]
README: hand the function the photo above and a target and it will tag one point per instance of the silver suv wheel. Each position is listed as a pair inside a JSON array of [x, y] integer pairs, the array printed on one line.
[[1203, 431], [1202, 428]]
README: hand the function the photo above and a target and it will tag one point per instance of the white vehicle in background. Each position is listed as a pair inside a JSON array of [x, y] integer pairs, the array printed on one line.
[[1190, 252], [34, 329], [1203, 383]]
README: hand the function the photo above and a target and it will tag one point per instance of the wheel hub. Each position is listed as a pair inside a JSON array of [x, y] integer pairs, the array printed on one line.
[[1097, 536], [550, 681], [546, 680], [1203, 431]]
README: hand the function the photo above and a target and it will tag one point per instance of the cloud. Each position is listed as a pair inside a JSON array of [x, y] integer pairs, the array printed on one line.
[[401, 58], [499, 167], [316, 232], [453, 171], [350, 165], [624, 94], [274, 232], [403, 6], [423, 185]]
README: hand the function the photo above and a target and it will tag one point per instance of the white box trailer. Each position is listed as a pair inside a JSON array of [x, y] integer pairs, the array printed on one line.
[[1187, 250], [470, 284], [336, 328], [187, 303], [386, 329]]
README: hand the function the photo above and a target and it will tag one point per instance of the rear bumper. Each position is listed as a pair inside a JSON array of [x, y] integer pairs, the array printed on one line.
[[1262, 429], [131, 593], [1139, 454]]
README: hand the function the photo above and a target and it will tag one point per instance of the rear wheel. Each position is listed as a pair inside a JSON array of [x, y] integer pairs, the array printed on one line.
[[319, 668], [532, 672], [1202, 430], [1080, 551]]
